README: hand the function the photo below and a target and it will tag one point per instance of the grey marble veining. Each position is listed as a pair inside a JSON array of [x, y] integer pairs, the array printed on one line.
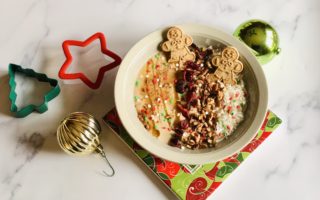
[[32, 166]]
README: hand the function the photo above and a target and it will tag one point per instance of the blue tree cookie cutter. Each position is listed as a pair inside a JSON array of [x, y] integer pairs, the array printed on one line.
[[26, 110]]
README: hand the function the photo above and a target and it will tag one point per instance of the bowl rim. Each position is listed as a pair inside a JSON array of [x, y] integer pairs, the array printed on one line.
[[182, 156]]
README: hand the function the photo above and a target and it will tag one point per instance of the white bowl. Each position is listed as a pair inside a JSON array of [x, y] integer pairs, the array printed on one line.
[[203, 36]]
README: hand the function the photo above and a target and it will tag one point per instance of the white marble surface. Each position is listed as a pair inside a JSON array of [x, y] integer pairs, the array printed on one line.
[[33, 167]]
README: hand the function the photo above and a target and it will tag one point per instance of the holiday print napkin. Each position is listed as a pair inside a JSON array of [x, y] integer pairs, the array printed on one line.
[[192, 181]]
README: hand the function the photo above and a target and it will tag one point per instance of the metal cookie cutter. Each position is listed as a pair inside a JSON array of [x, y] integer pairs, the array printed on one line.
[[24, 111], [93, 85]]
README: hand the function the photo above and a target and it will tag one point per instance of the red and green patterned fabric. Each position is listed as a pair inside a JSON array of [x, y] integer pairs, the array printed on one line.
[[193, 181]]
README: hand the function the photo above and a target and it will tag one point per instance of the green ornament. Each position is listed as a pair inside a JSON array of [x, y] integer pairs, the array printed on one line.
[[261, 37]]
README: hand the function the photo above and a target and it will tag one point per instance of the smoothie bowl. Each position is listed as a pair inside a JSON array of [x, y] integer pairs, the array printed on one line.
[[191, 94]]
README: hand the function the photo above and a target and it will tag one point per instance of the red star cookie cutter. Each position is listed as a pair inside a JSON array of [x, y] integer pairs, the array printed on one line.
[[93, 85]]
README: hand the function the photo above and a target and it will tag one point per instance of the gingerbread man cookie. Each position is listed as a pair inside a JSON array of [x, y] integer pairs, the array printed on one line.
[[228, 65], [177, 44]]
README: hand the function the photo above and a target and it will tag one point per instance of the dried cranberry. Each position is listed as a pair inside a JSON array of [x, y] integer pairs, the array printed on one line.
[[184, 124], [202, 55], [188, 75], [178, 132], [192, 65], [191, 96], [183, 110], [194, 48], [190, 86], [197, 52], [193, 102], [174, 141]]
